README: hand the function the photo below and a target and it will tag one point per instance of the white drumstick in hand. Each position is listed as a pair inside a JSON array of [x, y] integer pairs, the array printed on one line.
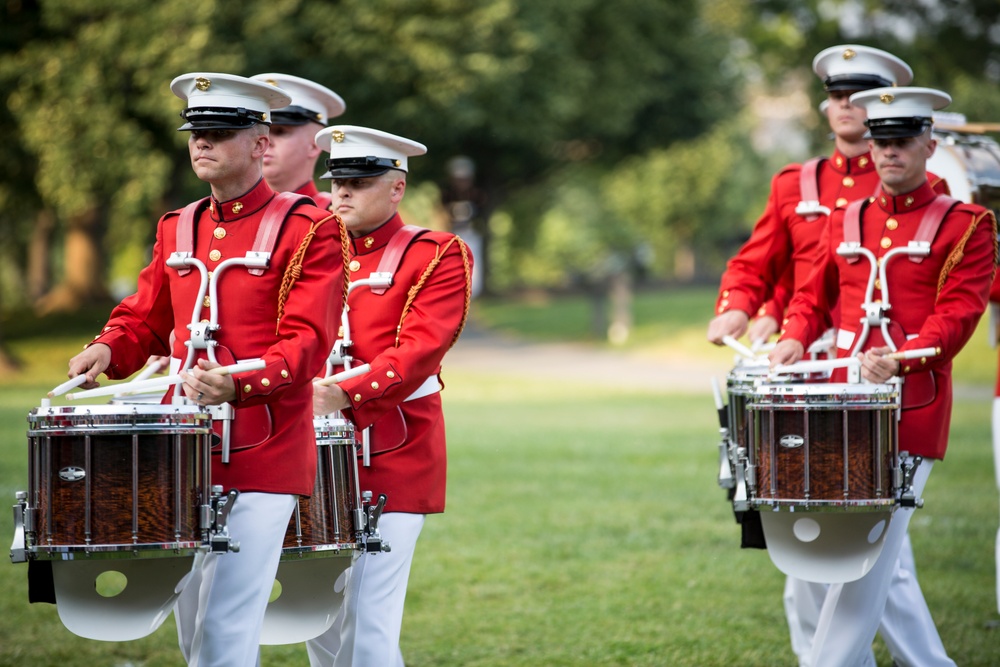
[[146, 385], [72, 383], [343, 375], [740, 348]]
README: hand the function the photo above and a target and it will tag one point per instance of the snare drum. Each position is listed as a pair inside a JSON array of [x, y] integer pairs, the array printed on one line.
[[825, 446], [325, 522], [970, 163], [115, 481]]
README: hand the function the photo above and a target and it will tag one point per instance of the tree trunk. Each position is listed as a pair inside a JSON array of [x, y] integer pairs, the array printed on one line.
[[620, 290], [38, 271], [83, 272]]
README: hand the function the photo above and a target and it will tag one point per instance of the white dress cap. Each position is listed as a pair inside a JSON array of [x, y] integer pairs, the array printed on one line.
[[357, 152], [311, 102], [900, 112], [857, 67], [226, 101]]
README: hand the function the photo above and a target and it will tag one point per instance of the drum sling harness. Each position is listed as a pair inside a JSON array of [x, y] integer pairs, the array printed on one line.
[[810, 208], [267, 234], [935, 214]]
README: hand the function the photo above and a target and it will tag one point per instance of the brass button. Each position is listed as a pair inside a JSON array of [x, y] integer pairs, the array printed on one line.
[[369, 242], [215, 255], [840, 161], [237, 207], [219, 233], [284, 374], [354, 265], [265, 383], [374, 385], [841, 201], [357, 398], [340, 332], [247, 388], [206, 302], [878, 283], [725, 293], [720, 310], [210, 274], [725, 302], [886, 242], [390, 375], [891, 224], [848, 182]]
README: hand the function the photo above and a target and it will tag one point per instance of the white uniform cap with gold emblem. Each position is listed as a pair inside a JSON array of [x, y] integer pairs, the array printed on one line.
[[857, 67], [900, 112], [311, 102], [225, 101], [359, 152]]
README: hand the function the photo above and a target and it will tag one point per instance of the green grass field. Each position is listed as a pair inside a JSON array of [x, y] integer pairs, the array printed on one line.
[[583, 528]]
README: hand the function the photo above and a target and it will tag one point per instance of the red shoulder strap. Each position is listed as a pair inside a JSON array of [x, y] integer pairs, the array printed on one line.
[[935, 214], [809, 184], [393, 254], [185, 229], [852, 224], [274, 218]]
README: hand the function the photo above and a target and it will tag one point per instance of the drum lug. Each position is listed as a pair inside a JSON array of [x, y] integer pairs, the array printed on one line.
[[222, 505], [908, 467], [725, 460], [370, 517], [740, 502], [18, 554]]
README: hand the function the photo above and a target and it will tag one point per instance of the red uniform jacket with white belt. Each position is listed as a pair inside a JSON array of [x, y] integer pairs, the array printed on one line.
[[784, 245], [995, 303], [273, 439], [408, 461], [936, 302]]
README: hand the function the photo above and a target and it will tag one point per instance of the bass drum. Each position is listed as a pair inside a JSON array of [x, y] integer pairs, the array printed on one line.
[[970, 162]]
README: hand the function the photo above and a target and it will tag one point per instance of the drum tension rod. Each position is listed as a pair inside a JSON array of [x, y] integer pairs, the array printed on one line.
[[222, 506]]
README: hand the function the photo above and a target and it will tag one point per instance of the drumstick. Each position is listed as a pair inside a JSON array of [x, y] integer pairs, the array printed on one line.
[[72, 383], [151, 370], [343, 375], [914, 354], [817, 366], [146, 385], [739, 347]]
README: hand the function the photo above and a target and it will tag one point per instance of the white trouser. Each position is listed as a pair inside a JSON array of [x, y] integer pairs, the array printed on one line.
[[996, 464], [852, 612], [221, 610], [906, 627], [366, 631]]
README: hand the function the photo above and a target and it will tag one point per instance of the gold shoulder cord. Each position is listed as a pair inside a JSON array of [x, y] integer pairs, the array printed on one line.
[[411, 295], [959, 251], [294, 269]]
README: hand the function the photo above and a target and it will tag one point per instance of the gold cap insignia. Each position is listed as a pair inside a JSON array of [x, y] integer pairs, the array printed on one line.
[[202, 84], [886, 98], [849, 54], [272, 82], [338, 136]]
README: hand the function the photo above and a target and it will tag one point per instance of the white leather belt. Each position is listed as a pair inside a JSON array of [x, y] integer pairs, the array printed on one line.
[[430, 386]]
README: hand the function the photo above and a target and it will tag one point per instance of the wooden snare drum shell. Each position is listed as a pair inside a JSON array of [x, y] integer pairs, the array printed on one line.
[[825, 446], [324, 522], [114, 481]]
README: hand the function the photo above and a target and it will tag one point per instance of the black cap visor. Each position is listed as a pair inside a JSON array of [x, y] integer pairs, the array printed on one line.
[[897, 128], [855, 82], [295, 115], [358, 167], [209, 118]]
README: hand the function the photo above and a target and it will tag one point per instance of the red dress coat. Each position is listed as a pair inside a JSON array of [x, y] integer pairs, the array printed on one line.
[[322, 199], [412, 470], [783, 247], [273, 440], [995, 303], [934, 303]]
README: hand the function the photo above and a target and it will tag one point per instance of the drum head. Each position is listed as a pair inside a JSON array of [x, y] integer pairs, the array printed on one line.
[[826, 547], [311, 593], [141, 595]]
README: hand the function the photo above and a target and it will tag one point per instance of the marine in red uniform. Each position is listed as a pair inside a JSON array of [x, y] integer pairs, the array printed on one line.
[[289, 324], [775, 260], [935, 303], [290, 161], [403, 333]]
